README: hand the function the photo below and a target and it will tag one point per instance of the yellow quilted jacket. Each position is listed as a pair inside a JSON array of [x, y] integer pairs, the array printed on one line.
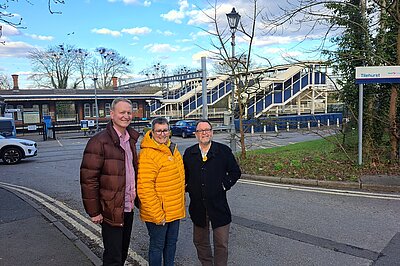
[[160, 182]]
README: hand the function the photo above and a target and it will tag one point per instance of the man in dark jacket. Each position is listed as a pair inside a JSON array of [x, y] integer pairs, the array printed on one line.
[[210, 170], [108, 180]]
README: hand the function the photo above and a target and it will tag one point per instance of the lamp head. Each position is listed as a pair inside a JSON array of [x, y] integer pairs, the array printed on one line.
[[233, 19]]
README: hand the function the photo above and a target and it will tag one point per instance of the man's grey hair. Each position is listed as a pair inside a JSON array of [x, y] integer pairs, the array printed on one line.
[[119, 99], [159, 120]]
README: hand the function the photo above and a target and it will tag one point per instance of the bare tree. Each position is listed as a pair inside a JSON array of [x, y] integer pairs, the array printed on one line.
[[8, 17], [238, 64], [82, 66], [5, 83], [54, 66], [108, 63]]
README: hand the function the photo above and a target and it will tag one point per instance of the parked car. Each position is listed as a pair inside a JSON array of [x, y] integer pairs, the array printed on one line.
[[146, 128], [184, 128], [12, 150], [7, 127]]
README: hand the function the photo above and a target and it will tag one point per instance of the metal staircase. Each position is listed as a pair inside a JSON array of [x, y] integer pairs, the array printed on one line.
[[273, 90]]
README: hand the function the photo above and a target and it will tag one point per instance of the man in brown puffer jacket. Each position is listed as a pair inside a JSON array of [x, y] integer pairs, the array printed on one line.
[[108, 181]]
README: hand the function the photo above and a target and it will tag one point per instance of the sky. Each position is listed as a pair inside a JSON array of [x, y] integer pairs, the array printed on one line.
[[171, 32]]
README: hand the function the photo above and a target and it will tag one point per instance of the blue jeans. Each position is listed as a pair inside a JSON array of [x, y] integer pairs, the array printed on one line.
[[162, 243]]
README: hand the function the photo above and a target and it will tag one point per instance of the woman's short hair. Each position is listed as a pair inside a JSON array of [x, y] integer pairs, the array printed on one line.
[[159, 120]]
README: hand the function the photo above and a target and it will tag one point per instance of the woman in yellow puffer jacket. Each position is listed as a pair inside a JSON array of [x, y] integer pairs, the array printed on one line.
[[161, 191]]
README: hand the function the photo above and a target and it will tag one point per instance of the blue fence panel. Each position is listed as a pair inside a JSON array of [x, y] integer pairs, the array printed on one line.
[[259, 106], [304, 81], [278, 97], [288, 94], [317, 78], [323, 78], [296, 87], [294, 121], [268, 100]]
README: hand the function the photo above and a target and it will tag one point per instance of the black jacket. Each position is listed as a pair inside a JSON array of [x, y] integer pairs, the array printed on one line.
[[207, 183]]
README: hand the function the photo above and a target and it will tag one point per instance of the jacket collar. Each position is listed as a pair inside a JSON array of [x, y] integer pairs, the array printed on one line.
[[114, 136], [212, 152]]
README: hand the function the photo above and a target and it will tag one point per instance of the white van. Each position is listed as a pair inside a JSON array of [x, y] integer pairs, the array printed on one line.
[[7, 127]]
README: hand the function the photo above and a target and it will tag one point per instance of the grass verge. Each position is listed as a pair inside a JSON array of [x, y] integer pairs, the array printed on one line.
[[320, 159]]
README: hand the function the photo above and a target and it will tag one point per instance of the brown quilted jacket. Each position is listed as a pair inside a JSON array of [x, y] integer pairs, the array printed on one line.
[[102, 175]]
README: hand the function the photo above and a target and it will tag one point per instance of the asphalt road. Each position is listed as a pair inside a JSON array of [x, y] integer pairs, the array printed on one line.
[[272, 224]]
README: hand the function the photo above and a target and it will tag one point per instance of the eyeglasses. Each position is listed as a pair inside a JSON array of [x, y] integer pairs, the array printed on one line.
[[159, 132], [208, 130]]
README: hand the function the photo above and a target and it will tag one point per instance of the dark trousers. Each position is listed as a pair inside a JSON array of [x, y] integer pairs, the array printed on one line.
[[116, 241], [201, 240]]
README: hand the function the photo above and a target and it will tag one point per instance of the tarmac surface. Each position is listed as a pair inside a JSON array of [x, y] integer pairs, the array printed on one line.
[[29, 235]]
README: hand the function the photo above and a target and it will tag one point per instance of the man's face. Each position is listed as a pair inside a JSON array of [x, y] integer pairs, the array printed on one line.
[[161, 133], [204, 133], [121, 115]]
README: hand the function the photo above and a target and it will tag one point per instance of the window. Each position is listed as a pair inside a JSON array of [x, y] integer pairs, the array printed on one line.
[[35, 107], [86, 110], [135, 107], [107, 108], [19, 113], [45, 109], [94, 110], [65, 111]]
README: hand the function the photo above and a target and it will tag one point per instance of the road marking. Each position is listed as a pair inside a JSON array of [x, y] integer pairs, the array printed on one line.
[[306, 238], [59, 143], [48, 202], [349, 193]]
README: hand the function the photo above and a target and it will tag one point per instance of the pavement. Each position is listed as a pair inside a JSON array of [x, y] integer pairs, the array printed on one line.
[[32, 236]]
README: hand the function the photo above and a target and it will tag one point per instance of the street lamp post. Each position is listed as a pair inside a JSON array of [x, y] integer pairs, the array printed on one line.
[[95, 103], [233, 21]]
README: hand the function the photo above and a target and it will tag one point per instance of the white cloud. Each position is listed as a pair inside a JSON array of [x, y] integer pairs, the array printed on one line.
[[147, 3], [197, 56], [40, 37], [127, 2], [7, 30], [177, 15], [135, 38], [166, 33], [137, 30], [15, 49], [106, 31], [160, 48]]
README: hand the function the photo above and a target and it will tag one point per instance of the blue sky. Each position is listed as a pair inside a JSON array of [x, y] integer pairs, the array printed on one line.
[[145, 31]]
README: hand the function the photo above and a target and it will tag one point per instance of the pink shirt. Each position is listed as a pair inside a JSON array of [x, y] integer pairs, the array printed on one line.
[[130, 192]]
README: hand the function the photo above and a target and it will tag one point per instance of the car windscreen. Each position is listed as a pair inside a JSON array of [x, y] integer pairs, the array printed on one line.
[[191, 123], [6, 128]]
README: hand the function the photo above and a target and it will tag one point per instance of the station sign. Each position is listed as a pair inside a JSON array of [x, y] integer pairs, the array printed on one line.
[[377, 74]]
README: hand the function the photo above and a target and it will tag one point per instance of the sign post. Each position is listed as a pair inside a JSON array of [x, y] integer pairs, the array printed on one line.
[[372, 75]]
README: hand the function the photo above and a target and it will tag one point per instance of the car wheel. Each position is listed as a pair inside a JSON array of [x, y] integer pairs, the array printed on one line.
[[184, 134], [11, 155]]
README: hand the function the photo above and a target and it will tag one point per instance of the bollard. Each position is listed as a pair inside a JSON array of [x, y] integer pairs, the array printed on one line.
[[308, 125], [252, 130], [337, 122], [276, 128], [319, 123], [287, 126], [44, 132], [53, 127], [327, 122], [265, 129], [298, 124]]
